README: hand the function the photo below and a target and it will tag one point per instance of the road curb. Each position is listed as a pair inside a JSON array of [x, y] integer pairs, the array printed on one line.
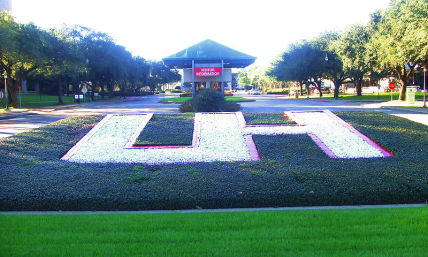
[[344, 207], [12, 116]]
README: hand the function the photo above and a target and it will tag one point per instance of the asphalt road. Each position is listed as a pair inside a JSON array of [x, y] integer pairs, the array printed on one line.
[[263, 103]]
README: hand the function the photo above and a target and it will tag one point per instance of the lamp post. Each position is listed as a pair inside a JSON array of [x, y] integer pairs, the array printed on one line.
[[336, 87], [425, 87], [5, 86]]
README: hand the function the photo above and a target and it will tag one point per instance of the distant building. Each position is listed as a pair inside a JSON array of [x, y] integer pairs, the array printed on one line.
[[208, 64], [6, 5]]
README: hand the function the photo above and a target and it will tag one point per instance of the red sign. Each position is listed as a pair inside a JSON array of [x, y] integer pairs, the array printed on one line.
[[208, 72], [392, 85]]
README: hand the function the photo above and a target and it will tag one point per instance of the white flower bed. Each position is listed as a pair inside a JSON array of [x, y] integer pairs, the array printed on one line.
[[339, 139], [221, 139]]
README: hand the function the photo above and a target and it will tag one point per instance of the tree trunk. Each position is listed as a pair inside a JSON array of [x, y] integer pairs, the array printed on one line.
[[404, 76], [359, 86], [102, 91], [60, 92], [403, 90], [307, 89], [336, 88], [301, 89], [12, 89]]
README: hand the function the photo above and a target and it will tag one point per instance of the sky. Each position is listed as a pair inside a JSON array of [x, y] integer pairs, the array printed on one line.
[[154, 29]]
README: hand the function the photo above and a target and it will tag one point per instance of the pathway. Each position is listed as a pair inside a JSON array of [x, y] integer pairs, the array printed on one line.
[[264, 103]]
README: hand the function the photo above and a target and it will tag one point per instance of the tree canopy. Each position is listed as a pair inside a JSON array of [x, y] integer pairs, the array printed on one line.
[[400, 39], [394, 41], [73, 55]]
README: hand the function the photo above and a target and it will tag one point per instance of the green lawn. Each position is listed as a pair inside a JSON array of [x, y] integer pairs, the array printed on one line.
[[293, 172], [184, 99], [365, 97], [36, 100], [167, 129], [364, 232]]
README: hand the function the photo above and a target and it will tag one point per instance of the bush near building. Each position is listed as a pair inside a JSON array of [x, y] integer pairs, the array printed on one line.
[[209, 100]]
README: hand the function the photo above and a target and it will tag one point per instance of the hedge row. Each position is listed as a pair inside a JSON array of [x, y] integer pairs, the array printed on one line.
[[167, 129], [293, 172], [254, 118], [279, 91], [132, 93]]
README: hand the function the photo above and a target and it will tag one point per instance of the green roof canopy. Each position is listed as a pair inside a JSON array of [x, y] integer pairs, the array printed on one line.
[[209, 51]]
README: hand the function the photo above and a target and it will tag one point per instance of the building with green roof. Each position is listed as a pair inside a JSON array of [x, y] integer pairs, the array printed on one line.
[[208, 64]]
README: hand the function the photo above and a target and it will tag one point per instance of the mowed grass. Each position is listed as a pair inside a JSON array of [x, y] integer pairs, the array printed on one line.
[[366, 96], [266, 118], [167, 129], [184, 99], [364, 232], [37, 100]]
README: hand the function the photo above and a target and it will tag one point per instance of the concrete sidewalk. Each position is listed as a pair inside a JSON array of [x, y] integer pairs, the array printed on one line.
[[298, 208], [17, 121], [14, 114], [399, 105]]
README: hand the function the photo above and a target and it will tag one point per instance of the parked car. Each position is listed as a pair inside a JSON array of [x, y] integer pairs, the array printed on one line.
[[254, 92]]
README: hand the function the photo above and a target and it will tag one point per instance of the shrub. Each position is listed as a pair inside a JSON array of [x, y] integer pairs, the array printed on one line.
[[180, 130], [186, 94], [230, 106], [275, 91], [131, 93], [176, 91], [209, 100], [186, 107]]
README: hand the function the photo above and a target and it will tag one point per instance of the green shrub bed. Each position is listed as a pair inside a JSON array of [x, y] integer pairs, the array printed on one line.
[[131, 93], [277, 91], [209, 100], [187, 94], [293, 172], [167, 129], [264, 118]]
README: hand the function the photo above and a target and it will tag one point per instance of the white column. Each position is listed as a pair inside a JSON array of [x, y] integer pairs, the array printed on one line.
[[193, 79], [222, 86]]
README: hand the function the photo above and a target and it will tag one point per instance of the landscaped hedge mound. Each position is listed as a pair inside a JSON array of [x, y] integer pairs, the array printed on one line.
[[277, 91], [209, 100], [131, 93], [293, 172], [255, 118], [167, 129], [187, 94]]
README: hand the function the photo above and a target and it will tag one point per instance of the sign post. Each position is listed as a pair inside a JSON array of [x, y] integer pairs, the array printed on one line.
[[392, 86], [5, 87], [84, 91], [425, 86]]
